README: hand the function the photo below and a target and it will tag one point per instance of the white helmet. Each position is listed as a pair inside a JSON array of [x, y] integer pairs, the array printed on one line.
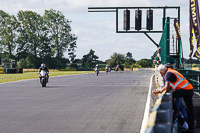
[[96, 65], [42, 65]]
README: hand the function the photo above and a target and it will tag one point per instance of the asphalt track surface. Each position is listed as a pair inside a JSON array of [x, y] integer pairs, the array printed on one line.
[[108, 103]]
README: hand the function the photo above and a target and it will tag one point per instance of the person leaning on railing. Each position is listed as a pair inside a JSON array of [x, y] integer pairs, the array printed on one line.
[[182, 118], [181, 88]]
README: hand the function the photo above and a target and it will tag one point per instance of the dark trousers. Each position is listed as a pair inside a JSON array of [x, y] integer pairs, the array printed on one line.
[[187, 97]]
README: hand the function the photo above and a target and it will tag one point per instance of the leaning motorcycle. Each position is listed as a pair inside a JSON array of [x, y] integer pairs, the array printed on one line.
[[43, 78]]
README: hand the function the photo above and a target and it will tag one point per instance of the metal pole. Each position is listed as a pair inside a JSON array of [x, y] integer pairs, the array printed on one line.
[[151, 39], [116, 20], [164, 16], [179, 41], [168, 39]]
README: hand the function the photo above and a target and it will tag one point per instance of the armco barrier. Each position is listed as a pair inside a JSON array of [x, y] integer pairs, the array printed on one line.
[[2, 71], [195, 68], [20, 70], [193, 77], [135, 69], [160, 117]]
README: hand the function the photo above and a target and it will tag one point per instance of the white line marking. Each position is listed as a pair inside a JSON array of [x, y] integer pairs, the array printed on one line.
[[146, 112]]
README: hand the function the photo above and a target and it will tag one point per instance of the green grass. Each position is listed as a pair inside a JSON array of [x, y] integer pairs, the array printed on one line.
[[33, 75]]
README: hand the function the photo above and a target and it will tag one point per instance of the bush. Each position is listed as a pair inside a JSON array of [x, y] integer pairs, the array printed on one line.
[[144, 63], [30, 61], [22, 63], [188, 65], [128, 64], [135, 66], [194, 65]]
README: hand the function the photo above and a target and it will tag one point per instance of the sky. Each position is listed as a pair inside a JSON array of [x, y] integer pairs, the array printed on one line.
[[97, 31]]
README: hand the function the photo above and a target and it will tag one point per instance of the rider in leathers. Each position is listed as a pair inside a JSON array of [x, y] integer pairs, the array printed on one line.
[[43, 67]]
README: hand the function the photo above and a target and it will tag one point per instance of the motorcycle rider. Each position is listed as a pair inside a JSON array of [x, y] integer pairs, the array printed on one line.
[[43, 67], [117, 67], [107, 69], [97, 67]]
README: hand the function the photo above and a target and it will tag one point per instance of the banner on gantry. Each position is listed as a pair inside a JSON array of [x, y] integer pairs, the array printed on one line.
[[194, 25], [178, 32]]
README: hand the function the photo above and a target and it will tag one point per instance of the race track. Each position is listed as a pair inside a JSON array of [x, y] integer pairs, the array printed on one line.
[[108, 103]]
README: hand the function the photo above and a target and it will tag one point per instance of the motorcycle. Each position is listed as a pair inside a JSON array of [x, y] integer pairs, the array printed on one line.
[[107, 70], [43, 78], [97, 71]]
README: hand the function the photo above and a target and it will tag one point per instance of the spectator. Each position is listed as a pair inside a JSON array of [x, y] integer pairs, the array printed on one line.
[[179, 103], [117, 67], [180, 88]]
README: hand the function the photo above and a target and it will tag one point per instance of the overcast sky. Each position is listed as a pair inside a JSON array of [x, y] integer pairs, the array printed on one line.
[[97, 31]]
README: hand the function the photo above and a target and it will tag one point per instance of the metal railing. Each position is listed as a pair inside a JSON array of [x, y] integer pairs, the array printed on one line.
[[193, 77], [160, 117]]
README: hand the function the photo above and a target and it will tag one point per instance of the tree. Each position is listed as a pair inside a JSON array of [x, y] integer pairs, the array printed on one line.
[[144, 63], [89, 60], [135, 66], [116, 59], [129, 60], [37, 39], [31, 34], [22, 63], [128, 63], [71, 51], [8, 32], [129, 56], [59, 33]]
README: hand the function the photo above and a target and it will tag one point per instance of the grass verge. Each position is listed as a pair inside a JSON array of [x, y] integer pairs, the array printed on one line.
[[33, 75]]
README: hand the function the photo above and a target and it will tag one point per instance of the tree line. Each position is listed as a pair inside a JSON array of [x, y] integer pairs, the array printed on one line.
[[123, 60], [32, 39], [127, 61]]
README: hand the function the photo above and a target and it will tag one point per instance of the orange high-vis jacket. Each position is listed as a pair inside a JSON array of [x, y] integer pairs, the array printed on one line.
[[181, 81]]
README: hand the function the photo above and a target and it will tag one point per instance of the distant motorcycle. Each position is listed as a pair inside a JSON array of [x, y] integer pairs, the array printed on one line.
[[43, 78], [97, 71], [107, 70]]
